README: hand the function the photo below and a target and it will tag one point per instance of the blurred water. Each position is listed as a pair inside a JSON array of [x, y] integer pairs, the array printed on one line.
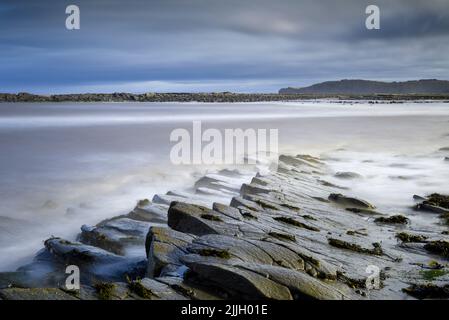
[[63, 165]]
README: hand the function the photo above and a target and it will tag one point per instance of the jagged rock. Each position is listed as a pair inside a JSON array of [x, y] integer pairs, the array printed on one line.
[[106, 291], [435, 203], [150, 213], [253, 189], [94, 262], [396, 219], [106, 238], [259, 181], [297, 161], [164, 248], [279, 239], [230, 212], [239, 283], [295, 223], [189, 219], [347, 175], [79, 253], [440, 247], [431, 208], [302, 285], [310, 158], [237, 249], [154, 290], [324, 269], [418, 198], [280, 255], [407, 237], [199, 220], [329, 184], [168, 199], [238, 202], [350, 202], [282, 236], [191, 291], [116, 235], [376, 250], [428, 291], [215, 182], [128, 226], [363, 211]]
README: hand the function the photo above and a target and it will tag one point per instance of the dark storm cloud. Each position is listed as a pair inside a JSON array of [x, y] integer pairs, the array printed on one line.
[[246, 45]]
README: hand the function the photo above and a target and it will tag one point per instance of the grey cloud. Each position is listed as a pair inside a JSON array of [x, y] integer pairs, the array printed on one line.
[[202, 42]]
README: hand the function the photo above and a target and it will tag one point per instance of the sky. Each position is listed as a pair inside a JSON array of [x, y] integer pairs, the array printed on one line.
[[217, 45]]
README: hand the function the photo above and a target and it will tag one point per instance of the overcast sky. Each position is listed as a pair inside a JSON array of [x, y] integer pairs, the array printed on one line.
[[217, 45]]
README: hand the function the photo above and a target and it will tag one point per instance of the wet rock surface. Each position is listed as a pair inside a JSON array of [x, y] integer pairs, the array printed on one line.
[[285, 236]]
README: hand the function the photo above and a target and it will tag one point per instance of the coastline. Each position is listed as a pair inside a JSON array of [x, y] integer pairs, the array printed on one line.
[[224, 97], [288, 235]]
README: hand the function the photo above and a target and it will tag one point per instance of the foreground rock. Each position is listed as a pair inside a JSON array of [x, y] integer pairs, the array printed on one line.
[[284, 236]]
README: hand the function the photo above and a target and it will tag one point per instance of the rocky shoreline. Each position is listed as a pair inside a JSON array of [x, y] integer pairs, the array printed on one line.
[[287, 235], [227, 97]]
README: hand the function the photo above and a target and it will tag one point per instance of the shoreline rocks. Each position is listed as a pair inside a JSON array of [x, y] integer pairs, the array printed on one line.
[[211, 97], [279, 238]]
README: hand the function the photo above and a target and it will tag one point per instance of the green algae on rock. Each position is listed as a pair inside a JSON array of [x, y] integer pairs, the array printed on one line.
[[282, 236], [138, 288], [223, 254], [377, 250], [396, 219], [438, 200], [211, 217], [105, 290], [407, 237], [295, 223], [143, 203], [440, 247]]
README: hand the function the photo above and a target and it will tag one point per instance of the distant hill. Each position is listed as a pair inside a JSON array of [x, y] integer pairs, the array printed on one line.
[[354, 87]]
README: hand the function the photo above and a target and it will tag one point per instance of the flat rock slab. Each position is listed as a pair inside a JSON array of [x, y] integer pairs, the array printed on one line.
[[239, 282], [154, 290]]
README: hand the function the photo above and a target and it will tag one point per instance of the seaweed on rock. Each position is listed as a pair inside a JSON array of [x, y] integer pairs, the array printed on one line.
[[138, 288], [427, 291], [377, 249], [439, 200], [407, 237], [211, 217], [440, 247], [282, 236], [295, 223], [223, 254], [396, 219], [105, 290]]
